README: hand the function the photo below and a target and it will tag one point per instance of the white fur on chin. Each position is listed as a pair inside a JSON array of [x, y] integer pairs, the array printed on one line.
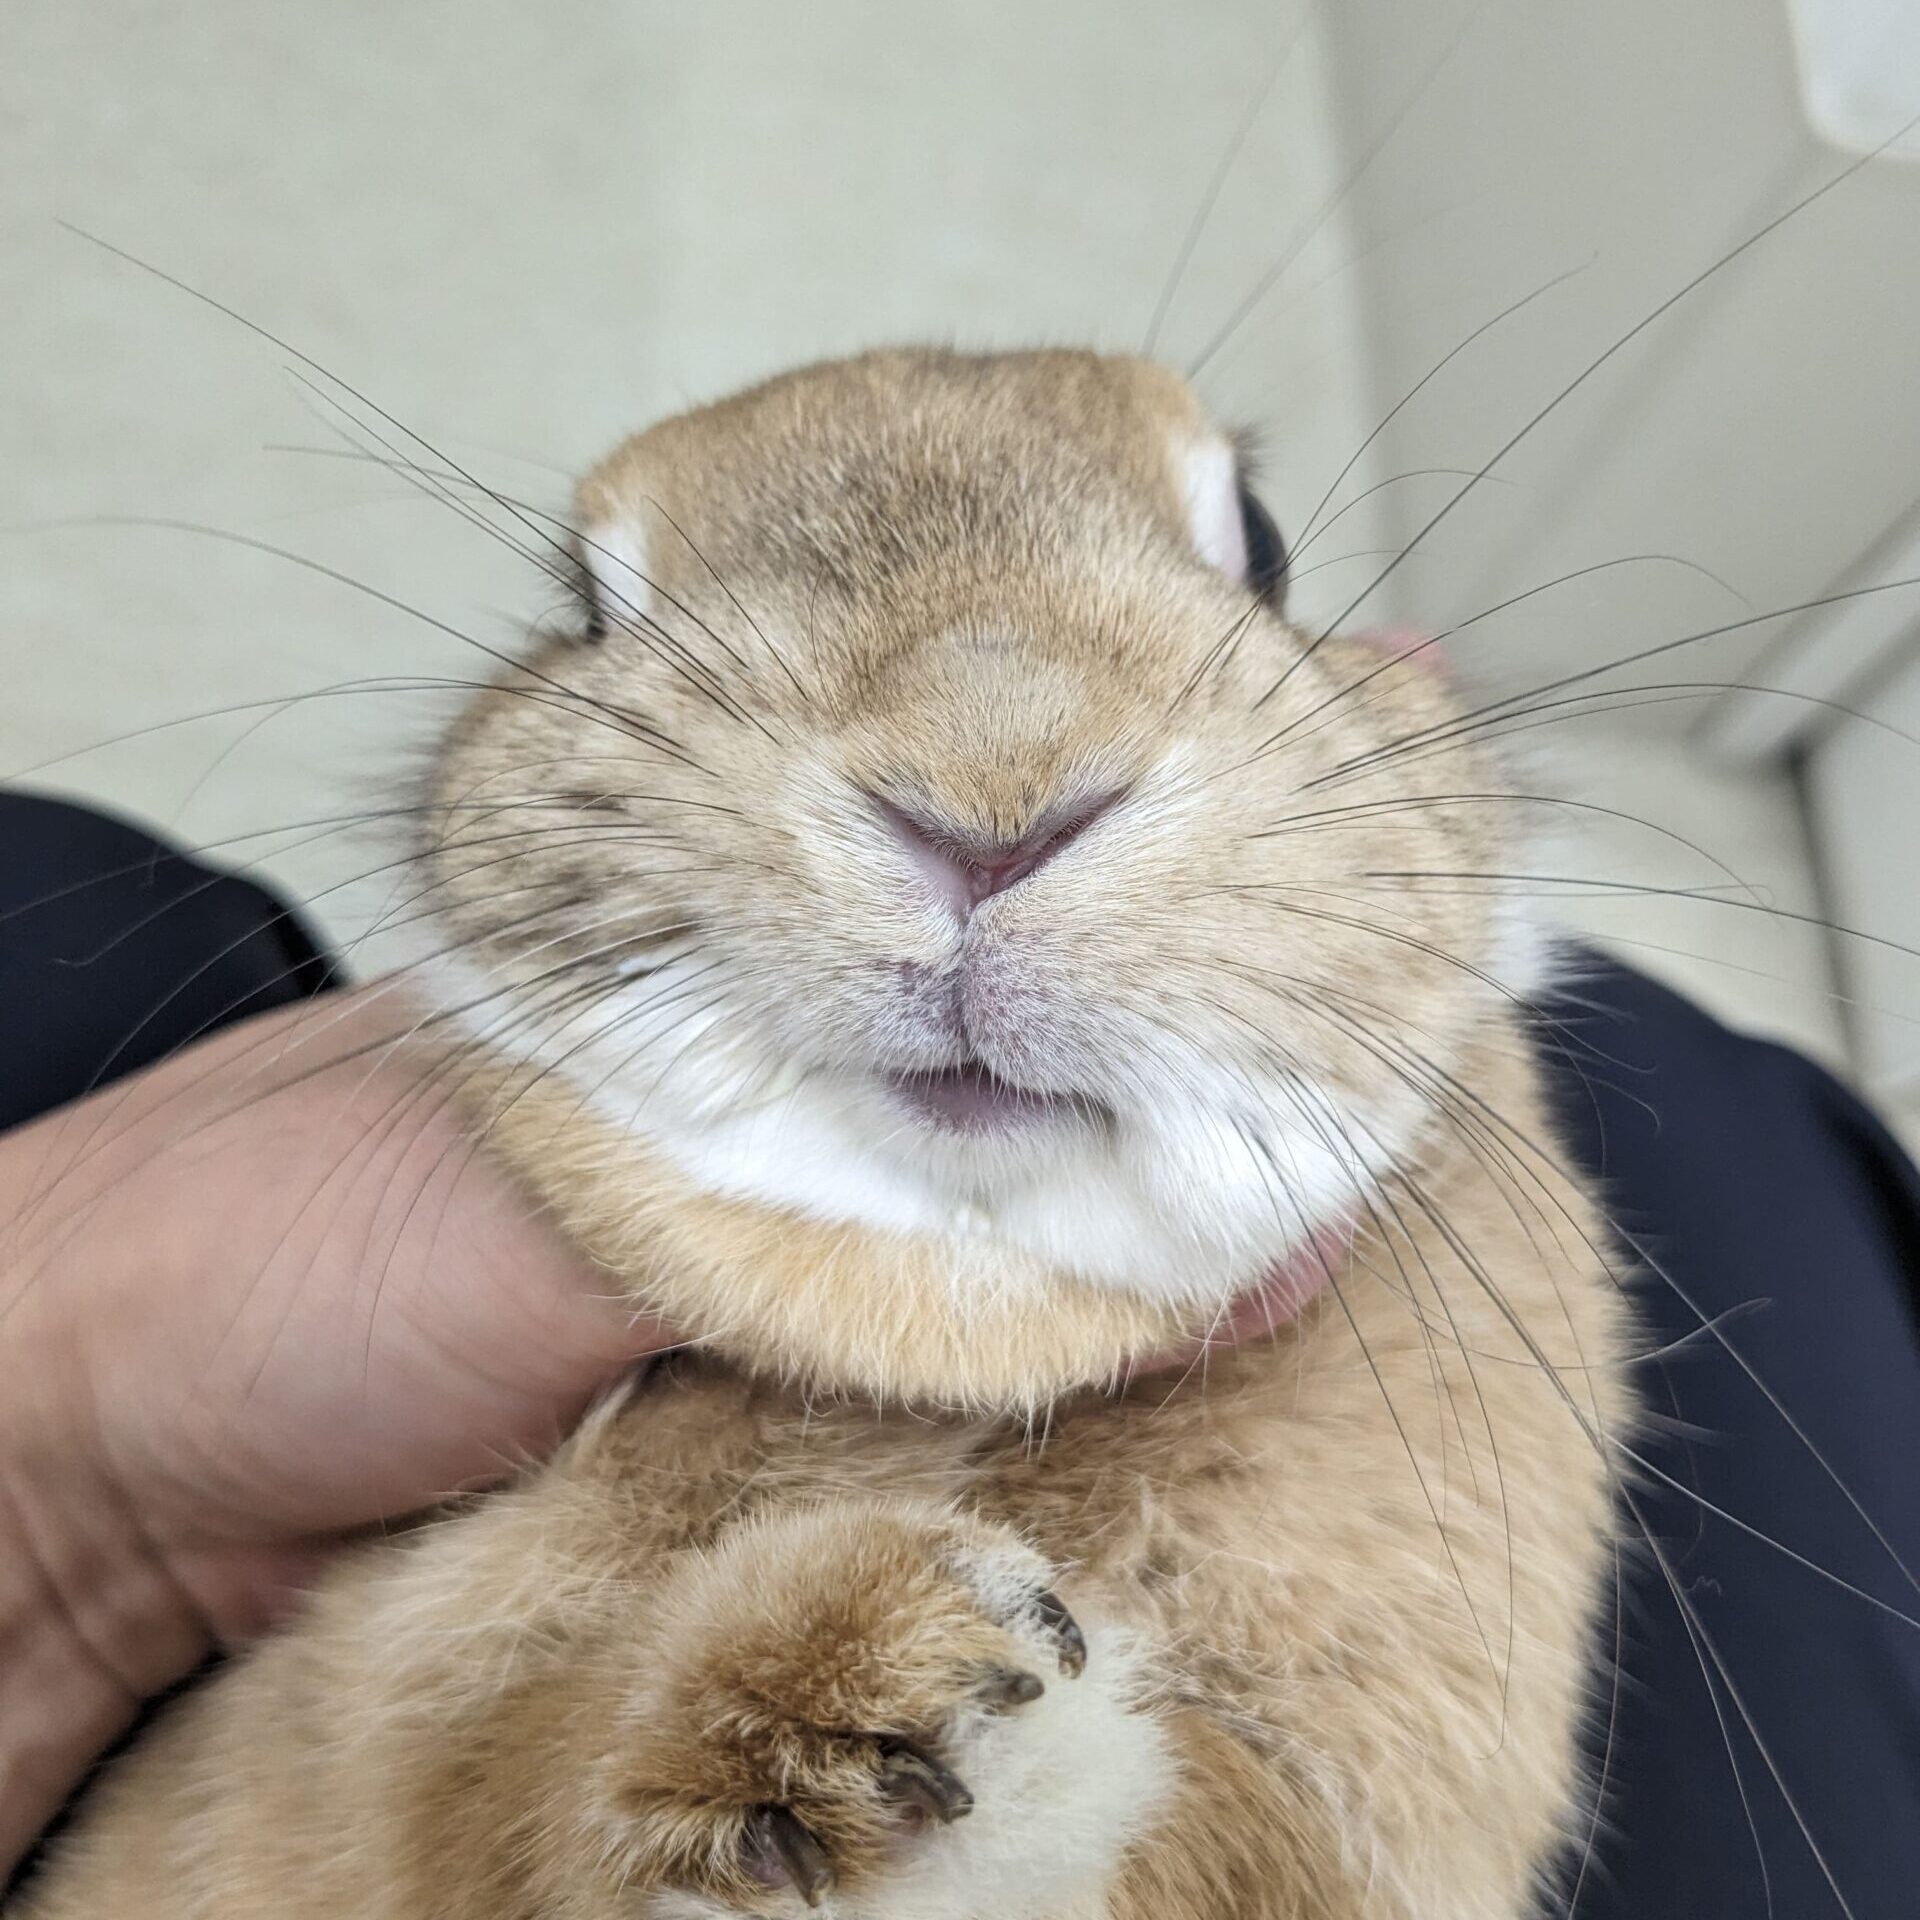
[[1179, 1204]]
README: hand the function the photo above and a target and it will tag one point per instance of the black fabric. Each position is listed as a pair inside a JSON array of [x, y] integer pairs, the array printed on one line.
[[116, 951], [1780, 1210], [1772, 1202]]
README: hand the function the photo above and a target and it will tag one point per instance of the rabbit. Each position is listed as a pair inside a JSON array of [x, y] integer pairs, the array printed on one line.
[[932, 931]]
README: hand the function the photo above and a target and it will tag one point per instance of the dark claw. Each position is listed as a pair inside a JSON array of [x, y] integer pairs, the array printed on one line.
[[780, 1849], [1066, 1632], [1008, 1687], [910, 1774]]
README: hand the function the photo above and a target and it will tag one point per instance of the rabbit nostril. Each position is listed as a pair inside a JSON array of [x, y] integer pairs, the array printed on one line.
[[965, 870], [986, 877]]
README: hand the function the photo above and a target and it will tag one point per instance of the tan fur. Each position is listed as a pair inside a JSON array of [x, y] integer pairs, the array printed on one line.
[[1350, 1573]]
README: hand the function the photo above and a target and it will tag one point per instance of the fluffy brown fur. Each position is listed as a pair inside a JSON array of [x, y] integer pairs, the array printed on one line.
[[797, 1618]]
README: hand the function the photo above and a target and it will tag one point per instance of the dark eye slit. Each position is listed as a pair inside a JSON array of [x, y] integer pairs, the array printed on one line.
[[1267, 559]]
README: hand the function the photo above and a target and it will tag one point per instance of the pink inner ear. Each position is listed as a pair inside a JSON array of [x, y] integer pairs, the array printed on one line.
[[1212, 481]]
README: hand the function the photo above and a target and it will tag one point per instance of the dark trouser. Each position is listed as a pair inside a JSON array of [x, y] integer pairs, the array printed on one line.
[[116, 951], [1770, 1201]]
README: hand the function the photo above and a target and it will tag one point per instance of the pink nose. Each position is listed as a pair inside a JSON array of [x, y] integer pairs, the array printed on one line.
[[964, 870]]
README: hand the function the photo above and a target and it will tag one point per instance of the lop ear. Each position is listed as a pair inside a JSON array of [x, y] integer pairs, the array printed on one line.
[[612, 559], [1230, 529]]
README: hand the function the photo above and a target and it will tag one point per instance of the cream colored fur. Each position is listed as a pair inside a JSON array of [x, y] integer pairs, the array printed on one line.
[[1337, 1587]]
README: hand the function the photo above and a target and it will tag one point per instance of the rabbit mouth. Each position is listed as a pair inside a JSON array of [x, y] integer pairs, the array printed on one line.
[[972, 1098]]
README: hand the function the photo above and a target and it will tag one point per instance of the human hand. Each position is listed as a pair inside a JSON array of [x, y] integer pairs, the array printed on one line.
[[258, 1297]]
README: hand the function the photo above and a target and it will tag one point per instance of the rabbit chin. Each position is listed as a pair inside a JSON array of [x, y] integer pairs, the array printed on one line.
[[1189, 1203]]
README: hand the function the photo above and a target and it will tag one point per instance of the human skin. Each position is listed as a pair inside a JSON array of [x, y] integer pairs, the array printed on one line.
[[252, 1301]]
